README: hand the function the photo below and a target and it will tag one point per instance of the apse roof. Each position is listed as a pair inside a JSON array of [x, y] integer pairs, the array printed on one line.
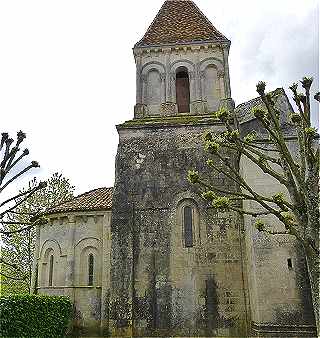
[[180, 21], [94, 200]]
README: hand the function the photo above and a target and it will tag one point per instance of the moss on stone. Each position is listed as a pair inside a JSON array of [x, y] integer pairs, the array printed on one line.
[[170, 120]]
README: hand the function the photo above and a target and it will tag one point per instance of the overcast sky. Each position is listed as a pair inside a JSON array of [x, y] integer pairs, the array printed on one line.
[[63, 64]]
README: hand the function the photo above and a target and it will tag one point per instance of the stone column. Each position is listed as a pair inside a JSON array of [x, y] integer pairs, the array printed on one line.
[[193, 95], [138, 80], [202, 84], [69, 279], [144, 82], [163, 87], [172, 84], [106, 260], [221, 76], [227, 86], [168, 79]]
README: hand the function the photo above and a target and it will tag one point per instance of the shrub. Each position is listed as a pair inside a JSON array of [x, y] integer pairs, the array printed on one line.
[[30, 316]]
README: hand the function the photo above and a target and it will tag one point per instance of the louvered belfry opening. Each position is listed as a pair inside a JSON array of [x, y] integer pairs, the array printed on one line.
[[183, 90]]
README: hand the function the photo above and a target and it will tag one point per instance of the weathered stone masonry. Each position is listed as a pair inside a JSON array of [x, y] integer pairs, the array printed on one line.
[[161, 285]]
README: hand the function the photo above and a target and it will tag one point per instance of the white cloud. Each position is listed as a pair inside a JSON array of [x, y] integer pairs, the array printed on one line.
[[64, 63]]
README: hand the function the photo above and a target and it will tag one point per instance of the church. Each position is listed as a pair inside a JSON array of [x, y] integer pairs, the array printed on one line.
[[149, 257]]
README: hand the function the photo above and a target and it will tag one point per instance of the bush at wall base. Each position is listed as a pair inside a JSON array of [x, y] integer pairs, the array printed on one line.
[[31, 316]]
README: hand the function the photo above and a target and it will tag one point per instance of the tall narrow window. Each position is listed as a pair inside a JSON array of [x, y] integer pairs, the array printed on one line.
[[183, 90], [90, 269], [188, 225], [51, 270]]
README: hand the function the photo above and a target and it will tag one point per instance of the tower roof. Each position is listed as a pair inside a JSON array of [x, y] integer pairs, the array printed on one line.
[[180, 21]]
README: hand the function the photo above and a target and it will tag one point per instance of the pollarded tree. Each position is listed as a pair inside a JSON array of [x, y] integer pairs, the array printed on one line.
[[19, 247], [297, 172], [13, 166]]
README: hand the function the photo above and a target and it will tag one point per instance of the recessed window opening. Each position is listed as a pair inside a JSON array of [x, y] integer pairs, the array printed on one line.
[[290, 266], [188, 226], [51, 270], [90, 269], [183, 90]]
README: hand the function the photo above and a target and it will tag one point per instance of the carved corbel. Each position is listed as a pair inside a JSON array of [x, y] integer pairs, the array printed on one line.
[[162, 76], [192, 75], [144, 78], [221, 73]]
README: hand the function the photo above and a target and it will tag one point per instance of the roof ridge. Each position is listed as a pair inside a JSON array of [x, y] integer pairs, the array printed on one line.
[[280, 89], [180, 21], [74, 198], [153, 21]]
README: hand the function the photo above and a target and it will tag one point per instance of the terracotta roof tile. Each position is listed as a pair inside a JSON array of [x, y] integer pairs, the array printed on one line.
[[94, 200], [180, 21]]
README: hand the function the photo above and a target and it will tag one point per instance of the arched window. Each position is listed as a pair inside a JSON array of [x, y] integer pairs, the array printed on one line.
[[188, 226], [51, 270], [211, 86], [90, 269], [154, 87], [183, 90]]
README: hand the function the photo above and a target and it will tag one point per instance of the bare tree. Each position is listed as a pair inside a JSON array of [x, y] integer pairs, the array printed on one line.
[[19, 248], [297, 210], [13, 166]]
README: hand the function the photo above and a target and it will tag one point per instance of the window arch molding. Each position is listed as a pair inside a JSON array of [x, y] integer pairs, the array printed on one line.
[[83, 249], [190, 66], [217, 66], [211, 61], [188, 222], [152, 67], [49, 260]]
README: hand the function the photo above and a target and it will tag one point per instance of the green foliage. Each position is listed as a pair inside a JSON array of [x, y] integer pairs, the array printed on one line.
[[26, 316], [210, 162], [18, 248], [311, 131], [261, 87], [209, 195], [259, 225], [289, 217], [278, 198], [221, 203], [223, 114], [232, 136], [295, 118], [259, 113], [251, 137], [212, 147], [193, 176], [307, 82]]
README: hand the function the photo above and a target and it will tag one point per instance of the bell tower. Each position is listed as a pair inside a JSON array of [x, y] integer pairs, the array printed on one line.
[[176, 265], [182, 64]]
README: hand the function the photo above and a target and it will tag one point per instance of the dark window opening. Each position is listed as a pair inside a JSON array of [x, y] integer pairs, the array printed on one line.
[[188, 224], [51, 271], [289, 263], [90, 269], [183, 90]]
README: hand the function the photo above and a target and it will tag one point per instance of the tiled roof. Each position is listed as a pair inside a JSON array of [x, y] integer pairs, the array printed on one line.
[[244, 110], [94, 200], [180, 21]]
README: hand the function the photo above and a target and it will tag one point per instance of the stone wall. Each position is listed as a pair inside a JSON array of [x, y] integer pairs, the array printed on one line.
[[71, 238], [278, 279], [279, 287], [158, 285]]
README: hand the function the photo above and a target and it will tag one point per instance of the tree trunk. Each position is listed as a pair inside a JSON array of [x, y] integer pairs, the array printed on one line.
[[313, 271]]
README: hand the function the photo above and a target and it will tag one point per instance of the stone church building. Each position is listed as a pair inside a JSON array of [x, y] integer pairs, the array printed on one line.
[[150, 257]]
